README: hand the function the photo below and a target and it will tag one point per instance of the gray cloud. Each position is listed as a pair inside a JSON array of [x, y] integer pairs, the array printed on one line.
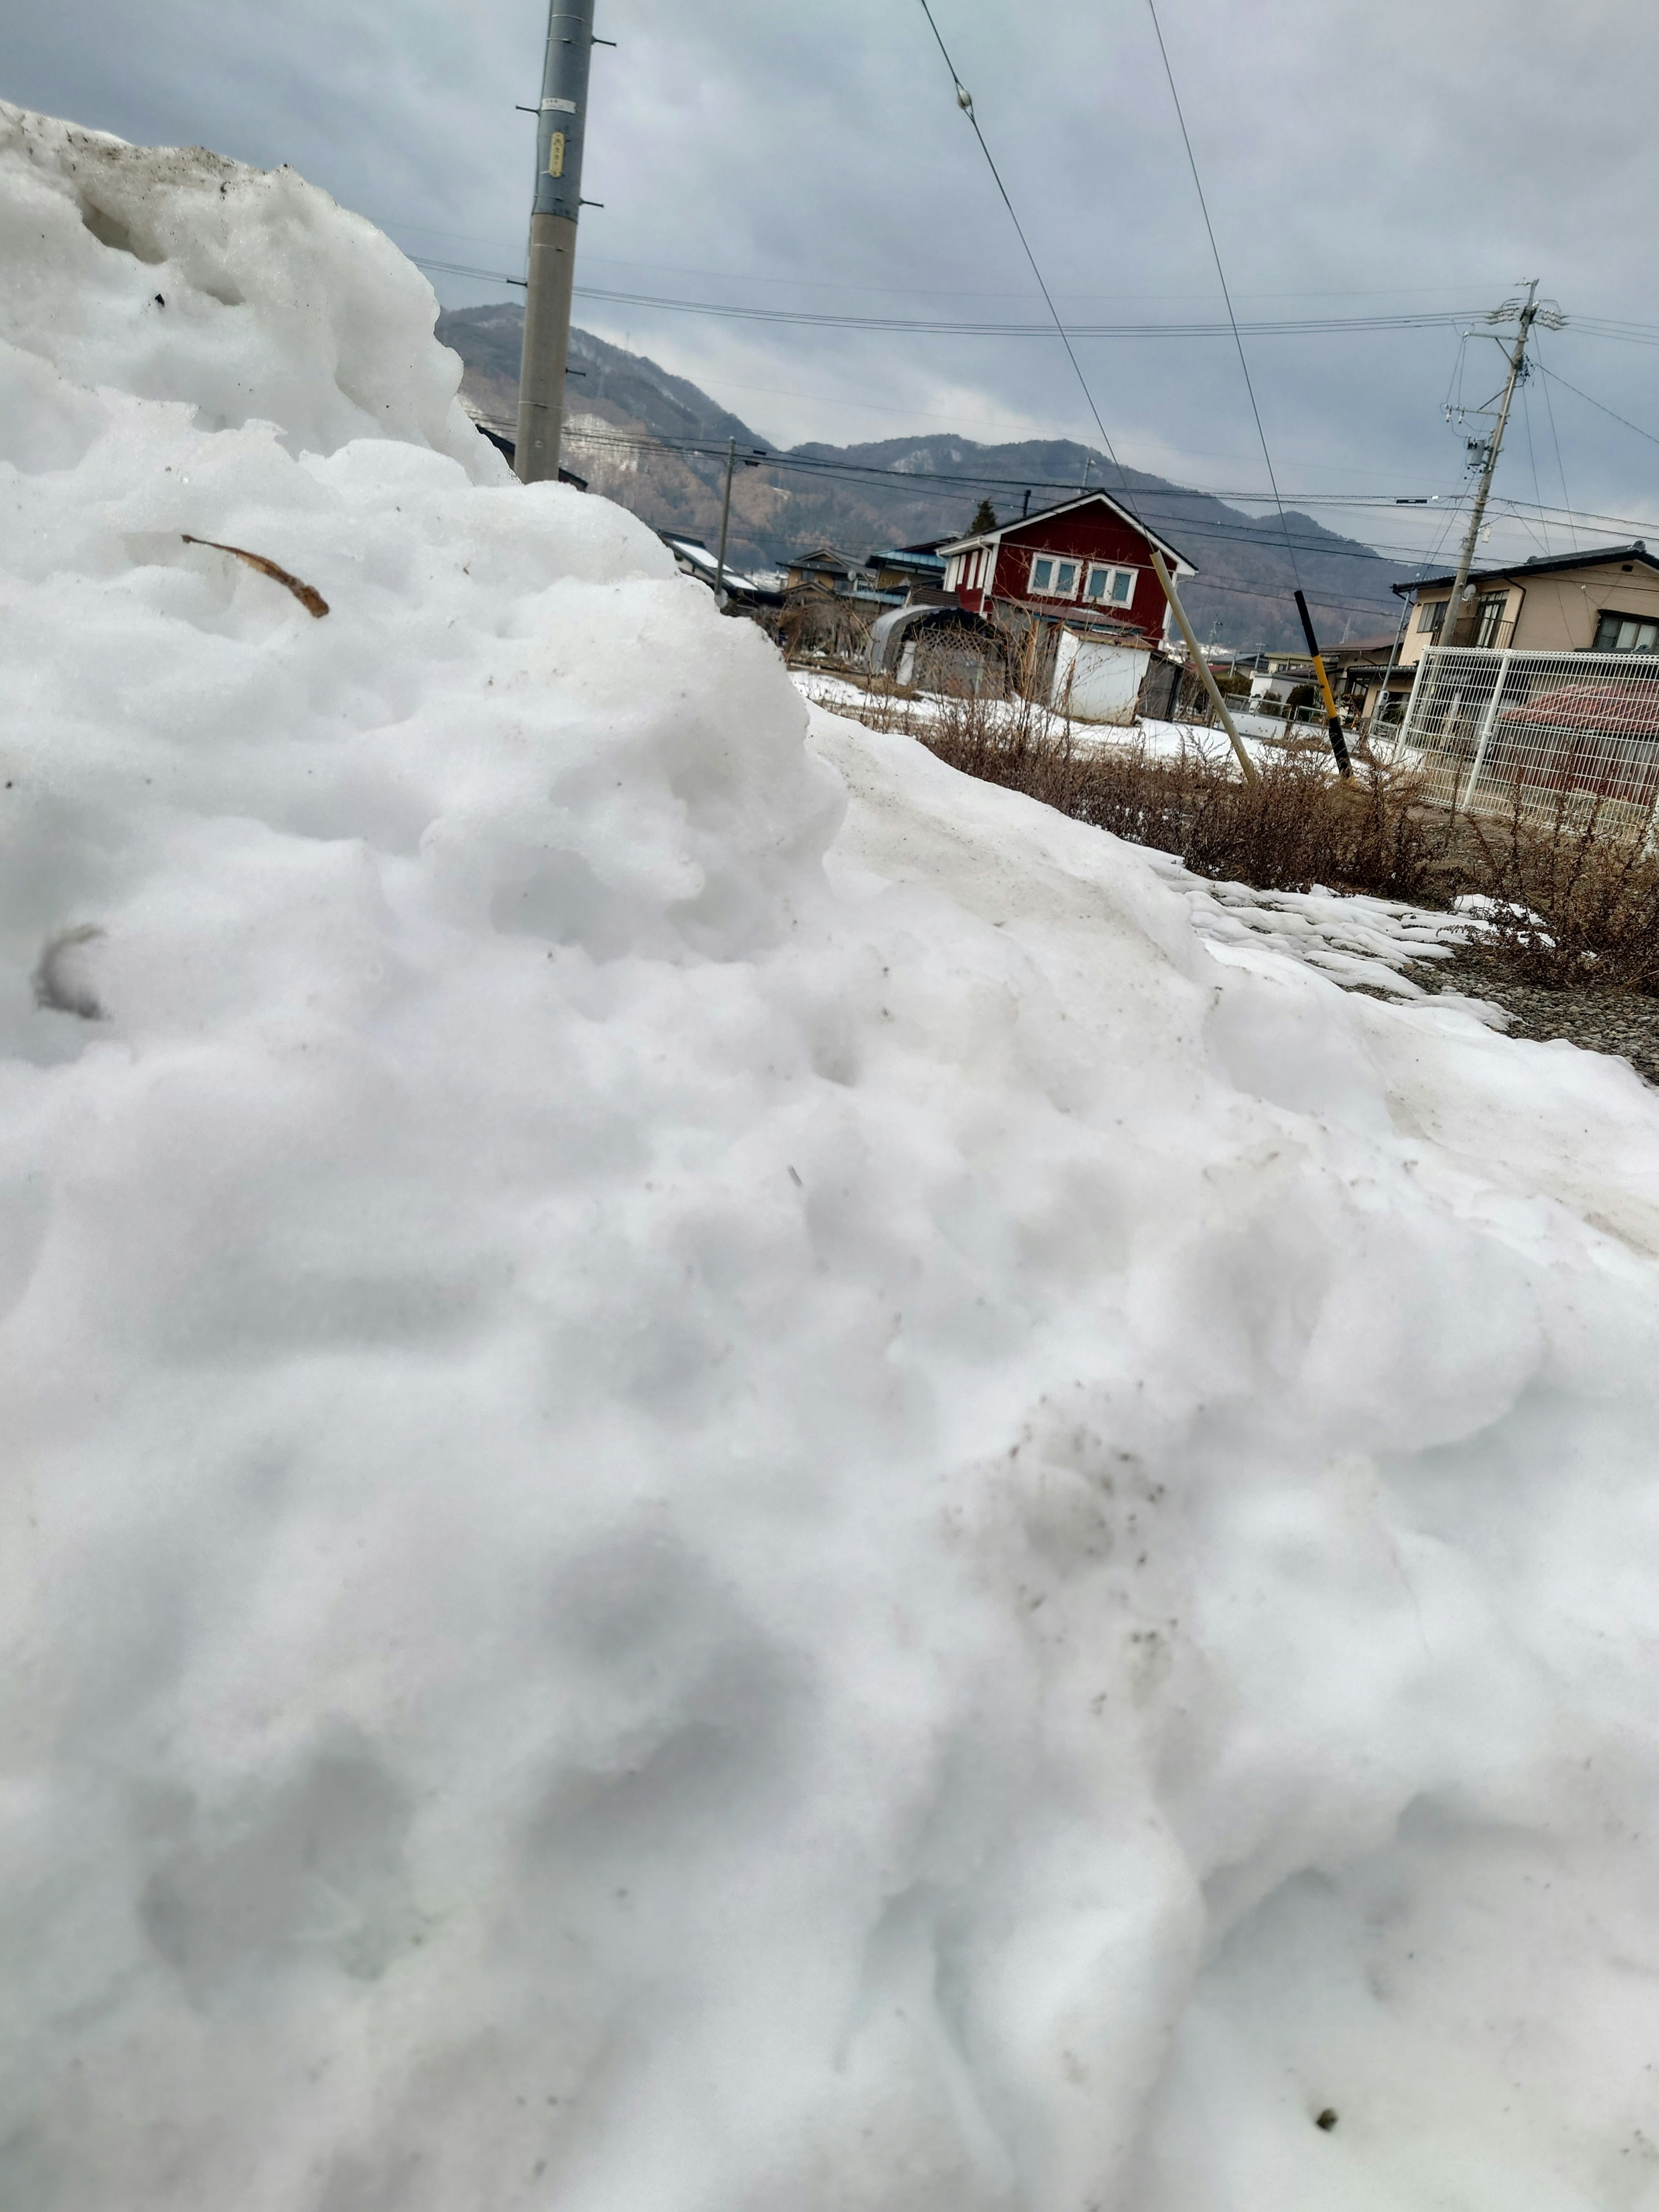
[[1356, 158]]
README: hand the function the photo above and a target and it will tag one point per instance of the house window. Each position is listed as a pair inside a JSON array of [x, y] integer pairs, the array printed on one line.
[[1625, 634], [1053, 578], [1111, 588], [1430, 615], [1489, 612]]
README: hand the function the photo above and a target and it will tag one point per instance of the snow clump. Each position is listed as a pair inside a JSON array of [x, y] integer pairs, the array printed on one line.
[[727, 1484]]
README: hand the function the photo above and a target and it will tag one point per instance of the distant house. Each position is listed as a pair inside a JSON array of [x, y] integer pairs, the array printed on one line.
[[826, 569], [1354, 666], [693, 558], [1074, 584], [502, 441], [1087, 554], [908, 567], [1606, 602]]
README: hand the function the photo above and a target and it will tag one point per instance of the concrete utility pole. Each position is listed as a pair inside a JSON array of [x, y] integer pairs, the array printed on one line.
[[1529, 315], [559, 126], [726, 517]]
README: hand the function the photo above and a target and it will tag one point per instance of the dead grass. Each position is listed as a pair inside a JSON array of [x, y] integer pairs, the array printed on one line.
[[1575, 897], [1294, 828]]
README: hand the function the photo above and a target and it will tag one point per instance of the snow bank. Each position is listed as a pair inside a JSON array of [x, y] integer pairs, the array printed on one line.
[[727, 1484], [171, 273]]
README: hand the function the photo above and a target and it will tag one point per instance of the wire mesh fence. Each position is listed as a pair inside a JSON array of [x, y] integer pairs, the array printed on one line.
[[1495, 732]]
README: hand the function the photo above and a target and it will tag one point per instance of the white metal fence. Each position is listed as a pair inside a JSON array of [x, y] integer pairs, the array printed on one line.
[[1492, 730]]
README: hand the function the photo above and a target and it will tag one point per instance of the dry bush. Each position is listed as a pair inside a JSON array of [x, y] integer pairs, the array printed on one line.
[[1575, 895], [1294, 828]]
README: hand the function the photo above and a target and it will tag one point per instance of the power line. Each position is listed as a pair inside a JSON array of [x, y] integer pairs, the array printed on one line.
[[921, 326], [1428, 319], [965, 101], [1552, 378], [1532, 457], [985, 480], [390, 223], [913, 327], [811, 465], [1221, 274], [1549, 409]]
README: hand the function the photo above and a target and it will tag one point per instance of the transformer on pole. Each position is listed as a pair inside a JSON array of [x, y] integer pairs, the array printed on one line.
[[560, 125]]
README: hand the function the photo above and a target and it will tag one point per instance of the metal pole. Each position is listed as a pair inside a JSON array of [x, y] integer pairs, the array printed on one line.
[[1332, 720], [1467, 560], [1411, 703], [726, 517], [1252, 774], [1393, 662], [1485, 733], [559, 127]]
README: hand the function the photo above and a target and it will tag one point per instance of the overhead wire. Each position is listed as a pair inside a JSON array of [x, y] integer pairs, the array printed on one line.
[[1532, 457], [714, 448], [964, 100], [1550, 377], [1549, 409], [922, 326], [1411, 557], [1221, 275], [1326, 544]]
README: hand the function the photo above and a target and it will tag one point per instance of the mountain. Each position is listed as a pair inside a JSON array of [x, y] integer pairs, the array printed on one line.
[[626, 414]]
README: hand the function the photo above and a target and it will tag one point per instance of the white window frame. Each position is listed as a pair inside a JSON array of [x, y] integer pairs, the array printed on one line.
[[1109, 569], [1053, 590]]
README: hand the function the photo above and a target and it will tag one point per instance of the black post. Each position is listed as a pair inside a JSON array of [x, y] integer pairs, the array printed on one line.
[[1332, 720]]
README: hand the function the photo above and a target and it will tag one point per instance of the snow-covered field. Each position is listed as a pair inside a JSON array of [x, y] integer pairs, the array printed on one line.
[[738, 1475]]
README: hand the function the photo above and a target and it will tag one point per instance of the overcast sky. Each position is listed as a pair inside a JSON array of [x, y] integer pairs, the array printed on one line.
[[1421, 155]]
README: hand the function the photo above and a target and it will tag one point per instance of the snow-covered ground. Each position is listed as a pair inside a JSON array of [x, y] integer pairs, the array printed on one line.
[[1264, 736], [737, 1474]]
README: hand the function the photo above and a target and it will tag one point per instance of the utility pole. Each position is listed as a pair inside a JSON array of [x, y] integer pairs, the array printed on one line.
[[1529, 312], [560, 122], [726, 517]]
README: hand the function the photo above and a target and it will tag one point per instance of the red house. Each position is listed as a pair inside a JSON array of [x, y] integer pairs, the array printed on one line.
[[1086, 556]]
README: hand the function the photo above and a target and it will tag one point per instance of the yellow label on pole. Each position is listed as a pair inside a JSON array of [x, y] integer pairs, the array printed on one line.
[[555, 155]]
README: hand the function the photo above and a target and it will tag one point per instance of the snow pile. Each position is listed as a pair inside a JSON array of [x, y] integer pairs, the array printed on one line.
[[172, 273], [1362, 942], [726, 1485]]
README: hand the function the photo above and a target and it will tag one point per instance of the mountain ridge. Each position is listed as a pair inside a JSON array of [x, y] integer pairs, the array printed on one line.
[[627, 412]]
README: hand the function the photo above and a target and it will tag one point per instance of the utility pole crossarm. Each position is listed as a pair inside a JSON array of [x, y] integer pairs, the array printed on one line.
[[561, 124]]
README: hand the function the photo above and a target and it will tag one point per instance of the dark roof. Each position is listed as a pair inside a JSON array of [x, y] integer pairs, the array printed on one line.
[[696, 559], [1541, 565], [823, 556], [508, 448], [905, 556]]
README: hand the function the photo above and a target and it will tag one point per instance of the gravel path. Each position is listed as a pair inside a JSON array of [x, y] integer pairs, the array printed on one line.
[[1624, 1023]]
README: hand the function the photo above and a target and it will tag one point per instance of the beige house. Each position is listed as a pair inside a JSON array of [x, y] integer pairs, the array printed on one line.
[[1605, 602]]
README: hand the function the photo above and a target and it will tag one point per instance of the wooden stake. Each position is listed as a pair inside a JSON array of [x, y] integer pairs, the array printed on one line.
[[1252, 774]]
